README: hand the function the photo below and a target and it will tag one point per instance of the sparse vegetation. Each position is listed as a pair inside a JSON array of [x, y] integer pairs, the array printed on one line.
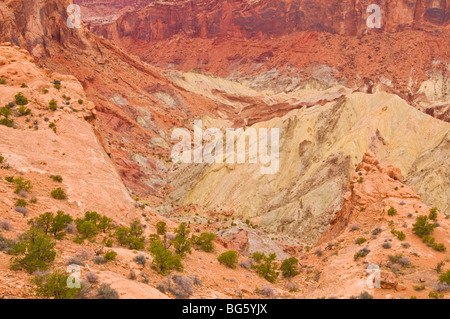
[[34, 251], [56, 178], [229, 258], [360, 240], [392, 211], [164, 261], [204, 241], [58, 193], [20, 99], [361, 253], [131, 236], [266, 266], [289, 267], [110, 255], [106, 292], [54, 285]]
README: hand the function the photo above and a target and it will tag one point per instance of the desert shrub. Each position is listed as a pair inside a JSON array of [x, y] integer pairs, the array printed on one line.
[[140, 260], [53, 106], [80, 101], [445, 277], [21, 203], [21, 99], [1, 159], [5, 225], [131, 236], [266, 291], [435, 295], [204, 241], [399, 234], [57, 84], [422, 227], [362, 295], [229, 258], [392, 211], [21, 210], [441, 287], [54, 285], [395, 258], [360, 240], [354, 227], [182, 288], [34, 251], [92, 277], [56, 178], [110, 255], [318, 252], [289, 267], [181, 242], [106, 292], [50, 223], [292, 286], [247, 264], [99, 260], [163, 259], [6, 245], [2, 81], [21, 184], [87, 229], [266, 267], [386, 245], [376, 231], [433, 214], [59, 193], [361, 253], [22, 110], [406, 245]]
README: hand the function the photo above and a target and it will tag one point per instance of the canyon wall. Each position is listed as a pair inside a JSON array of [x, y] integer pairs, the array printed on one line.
[[245, 19]]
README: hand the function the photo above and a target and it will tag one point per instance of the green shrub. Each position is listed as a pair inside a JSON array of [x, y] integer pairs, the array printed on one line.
[[392, 211], [422, 227], [23, 85], [266, 267], [20, 182], [56, 178], [20, 99], [360, 240], [21, 203], [289, 267], [399, 234], [433, 214], [435, 295], [2, 81], [57, 84], [229, 258], [445, 277], [1, 159], [34, 250], [59, 194], [54, 285], [87, 229], [205, 241], [110, 255], [163, 259], [132, 236], [181, 242], [80, 101], [53, 105]]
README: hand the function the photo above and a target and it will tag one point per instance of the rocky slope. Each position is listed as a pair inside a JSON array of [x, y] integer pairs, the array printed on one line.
[[319, 149]]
